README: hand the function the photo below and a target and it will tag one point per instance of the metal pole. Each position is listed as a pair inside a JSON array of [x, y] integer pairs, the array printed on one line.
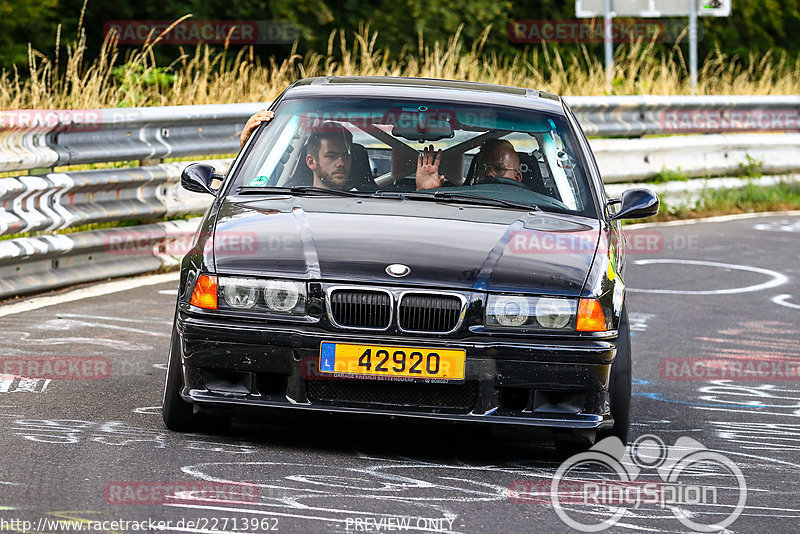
[[693, 43], [609, 43]]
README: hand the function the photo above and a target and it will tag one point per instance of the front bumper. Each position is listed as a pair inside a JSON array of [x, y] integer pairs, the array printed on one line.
[[558, 383]]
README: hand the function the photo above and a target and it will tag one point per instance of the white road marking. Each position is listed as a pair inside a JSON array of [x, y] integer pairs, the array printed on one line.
[[781, 300], [777, 278], [88, 292], [779, 226], [15, 384], [148, 410]]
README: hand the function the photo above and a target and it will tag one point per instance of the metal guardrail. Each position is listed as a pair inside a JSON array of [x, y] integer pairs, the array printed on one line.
[[633, 116], [56, 201], [39, 140], [34, 264]]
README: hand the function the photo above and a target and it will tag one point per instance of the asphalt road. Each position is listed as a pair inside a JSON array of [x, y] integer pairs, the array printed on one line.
[[95, 450]]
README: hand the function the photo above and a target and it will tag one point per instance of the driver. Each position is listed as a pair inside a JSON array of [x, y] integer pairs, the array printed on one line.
[[497, 159]]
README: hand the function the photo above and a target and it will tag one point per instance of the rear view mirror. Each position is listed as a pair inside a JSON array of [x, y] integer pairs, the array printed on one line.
[[429, 125], [198, 177], [636, 204]]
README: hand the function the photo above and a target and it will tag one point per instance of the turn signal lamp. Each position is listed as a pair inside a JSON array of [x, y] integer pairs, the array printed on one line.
[[590, 316], [205, 292]]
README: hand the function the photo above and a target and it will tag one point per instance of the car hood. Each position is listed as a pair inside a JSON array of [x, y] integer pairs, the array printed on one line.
[[459, 246]]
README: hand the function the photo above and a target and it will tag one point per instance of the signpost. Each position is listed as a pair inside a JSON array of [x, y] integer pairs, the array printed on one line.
[[609, 9]]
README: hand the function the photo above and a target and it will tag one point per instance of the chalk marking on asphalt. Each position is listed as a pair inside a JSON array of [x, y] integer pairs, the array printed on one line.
[[16, 384], [148, 410], [88, 292], [781, 300], [107, 318], [777, 278], [778, 226]]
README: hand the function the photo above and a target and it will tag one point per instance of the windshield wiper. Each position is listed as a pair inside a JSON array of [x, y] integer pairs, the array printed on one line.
[[457, 196], [489, 201], [297, 190]]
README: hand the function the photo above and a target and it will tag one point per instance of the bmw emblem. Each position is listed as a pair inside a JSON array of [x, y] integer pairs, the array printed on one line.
[[398, 270]]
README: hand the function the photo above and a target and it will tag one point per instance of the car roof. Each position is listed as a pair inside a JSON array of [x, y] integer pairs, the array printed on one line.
[[424, 88]]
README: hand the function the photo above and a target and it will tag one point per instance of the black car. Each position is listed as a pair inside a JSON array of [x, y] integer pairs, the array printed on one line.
[[409, 247]]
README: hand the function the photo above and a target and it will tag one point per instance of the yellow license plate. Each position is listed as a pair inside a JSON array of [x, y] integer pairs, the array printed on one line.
[[376, 360]]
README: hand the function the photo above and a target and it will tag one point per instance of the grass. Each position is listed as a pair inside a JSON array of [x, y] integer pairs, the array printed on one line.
[[750, 198], [204, 75], [668, 175]]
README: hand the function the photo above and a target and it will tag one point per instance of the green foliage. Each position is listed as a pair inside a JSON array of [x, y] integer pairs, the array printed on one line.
[[134, 77], [751, 167], [668, 175], [750, 198], [754, 27], [753, 198], [24, 21]]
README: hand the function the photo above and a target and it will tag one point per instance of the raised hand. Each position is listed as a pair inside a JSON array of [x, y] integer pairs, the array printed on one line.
[[253, 122], [428, 176]]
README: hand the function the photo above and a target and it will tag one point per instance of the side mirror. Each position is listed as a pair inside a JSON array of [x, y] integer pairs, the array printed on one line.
[[197, 177], [636, 204]]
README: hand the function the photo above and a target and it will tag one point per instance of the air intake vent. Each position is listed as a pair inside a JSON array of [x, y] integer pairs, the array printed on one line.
[[358, 308], [399, 395], [429, 313]]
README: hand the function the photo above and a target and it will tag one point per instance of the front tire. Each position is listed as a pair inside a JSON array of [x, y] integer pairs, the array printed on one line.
[[619, 386], [178, 414]]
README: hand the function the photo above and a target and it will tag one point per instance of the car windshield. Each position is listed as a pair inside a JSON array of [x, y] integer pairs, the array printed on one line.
[[374, 146]]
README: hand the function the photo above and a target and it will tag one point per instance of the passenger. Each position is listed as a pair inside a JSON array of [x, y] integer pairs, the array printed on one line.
[[328, 155]]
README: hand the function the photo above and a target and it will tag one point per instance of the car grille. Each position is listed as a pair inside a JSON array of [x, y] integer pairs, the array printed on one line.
[[361, 308], [429, 313], [461, 397]]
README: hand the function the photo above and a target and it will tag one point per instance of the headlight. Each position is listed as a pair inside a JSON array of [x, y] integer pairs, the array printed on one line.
[[530, 313], [553, 313], [511, 311], [240, 293], [284, 296]]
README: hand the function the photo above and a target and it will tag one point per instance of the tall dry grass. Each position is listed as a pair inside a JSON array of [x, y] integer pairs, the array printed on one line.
[[203, 75]]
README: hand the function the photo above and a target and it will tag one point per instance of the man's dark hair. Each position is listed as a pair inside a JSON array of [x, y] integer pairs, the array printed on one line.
[[327, 130]]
